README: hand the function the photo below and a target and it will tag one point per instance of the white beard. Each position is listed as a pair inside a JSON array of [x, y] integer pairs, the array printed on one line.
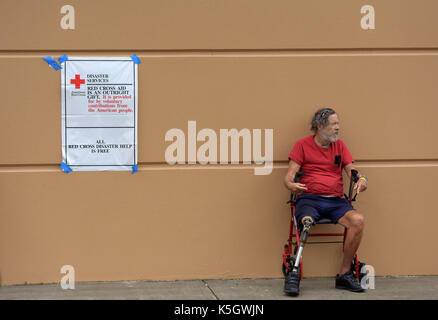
[[333, 138], [330, 138]]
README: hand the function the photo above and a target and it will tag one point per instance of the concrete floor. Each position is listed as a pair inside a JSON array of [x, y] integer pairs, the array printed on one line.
[[394, 288]]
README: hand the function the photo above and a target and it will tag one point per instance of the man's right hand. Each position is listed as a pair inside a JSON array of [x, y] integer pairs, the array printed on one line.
[[289, 179], [297, 188]]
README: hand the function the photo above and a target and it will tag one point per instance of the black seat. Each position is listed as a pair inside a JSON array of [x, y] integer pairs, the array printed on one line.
[[324, 221]]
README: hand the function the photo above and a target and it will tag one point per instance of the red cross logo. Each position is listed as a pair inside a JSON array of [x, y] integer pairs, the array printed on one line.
[[77, 81]]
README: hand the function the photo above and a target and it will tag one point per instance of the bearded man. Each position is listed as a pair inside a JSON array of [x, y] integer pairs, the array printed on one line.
[[322, 156]]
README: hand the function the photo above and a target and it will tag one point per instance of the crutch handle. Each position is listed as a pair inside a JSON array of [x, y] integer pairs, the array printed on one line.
[[298, 175], [353, 179], [354, 174]]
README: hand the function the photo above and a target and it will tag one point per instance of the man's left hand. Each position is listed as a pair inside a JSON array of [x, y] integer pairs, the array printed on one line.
[[360, 186]]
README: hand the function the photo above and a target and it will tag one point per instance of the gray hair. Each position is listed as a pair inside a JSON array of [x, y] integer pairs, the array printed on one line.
[[321, 118]]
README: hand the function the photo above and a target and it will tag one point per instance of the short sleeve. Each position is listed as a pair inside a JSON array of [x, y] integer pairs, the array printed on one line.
[[297, 153], [347, 158]]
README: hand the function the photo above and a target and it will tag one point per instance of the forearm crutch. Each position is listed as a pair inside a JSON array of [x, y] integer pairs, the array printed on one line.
[[353, 179]]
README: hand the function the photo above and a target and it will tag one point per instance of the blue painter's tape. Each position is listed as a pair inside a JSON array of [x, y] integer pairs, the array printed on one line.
[[135, 59], [134, 169], [63, 58], [52, 63], [65, 167]]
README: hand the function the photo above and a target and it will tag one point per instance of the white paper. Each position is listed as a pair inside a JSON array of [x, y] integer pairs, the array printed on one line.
[[99, 113]]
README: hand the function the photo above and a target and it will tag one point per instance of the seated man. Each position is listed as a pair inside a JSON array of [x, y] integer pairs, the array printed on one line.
[[322, 157]]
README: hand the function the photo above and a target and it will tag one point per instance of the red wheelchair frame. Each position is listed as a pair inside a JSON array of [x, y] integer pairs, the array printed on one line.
[[289, 261]]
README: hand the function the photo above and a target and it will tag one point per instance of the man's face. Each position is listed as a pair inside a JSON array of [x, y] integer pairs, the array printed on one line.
[[331, 131]]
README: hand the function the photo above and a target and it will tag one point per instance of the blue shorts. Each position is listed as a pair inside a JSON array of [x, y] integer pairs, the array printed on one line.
[[319, 207]]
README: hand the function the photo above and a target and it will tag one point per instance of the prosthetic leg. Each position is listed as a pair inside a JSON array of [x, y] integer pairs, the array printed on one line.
[[307, 222], [292, 282]]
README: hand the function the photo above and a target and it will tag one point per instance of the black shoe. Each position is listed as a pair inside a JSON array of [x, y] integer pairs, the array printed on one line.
[[292, 284], [348, 282]]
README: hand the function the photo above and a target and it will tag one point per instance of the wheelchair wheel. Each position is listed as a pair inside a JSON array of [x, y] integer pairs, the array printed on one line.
[[289, 267]]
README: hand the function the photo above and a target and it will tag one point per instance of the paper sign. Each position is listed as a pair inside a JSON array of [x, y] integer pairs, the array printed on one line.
[[99, 113]]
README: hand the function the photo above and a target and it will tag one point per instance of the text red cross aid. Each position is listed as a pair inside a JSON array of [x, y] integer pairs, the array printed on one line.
[[77, 81]]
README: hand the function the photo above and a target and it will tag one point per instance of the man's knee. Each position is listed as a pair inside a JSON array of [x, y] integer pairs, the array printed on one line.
[[357, 221], [353, 219]]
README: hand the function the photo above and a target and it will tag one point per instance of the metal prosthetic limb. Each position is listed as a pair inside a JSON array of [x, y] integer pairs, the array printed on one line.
[[307, 222]]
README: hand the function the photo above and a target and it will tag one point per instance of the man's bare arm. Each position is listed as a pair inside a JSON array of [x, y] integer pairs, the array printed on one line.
[[290, 176], [361, 185], [348, 169]]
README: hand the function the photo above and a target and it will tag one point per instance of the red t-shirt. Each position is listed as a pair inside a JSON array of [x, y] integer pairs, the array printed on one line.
[[323, 176]]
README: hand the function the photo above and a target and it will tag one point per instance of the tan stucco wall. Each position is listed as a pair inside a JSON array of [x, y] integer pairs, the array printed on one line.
[[226, 64]]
